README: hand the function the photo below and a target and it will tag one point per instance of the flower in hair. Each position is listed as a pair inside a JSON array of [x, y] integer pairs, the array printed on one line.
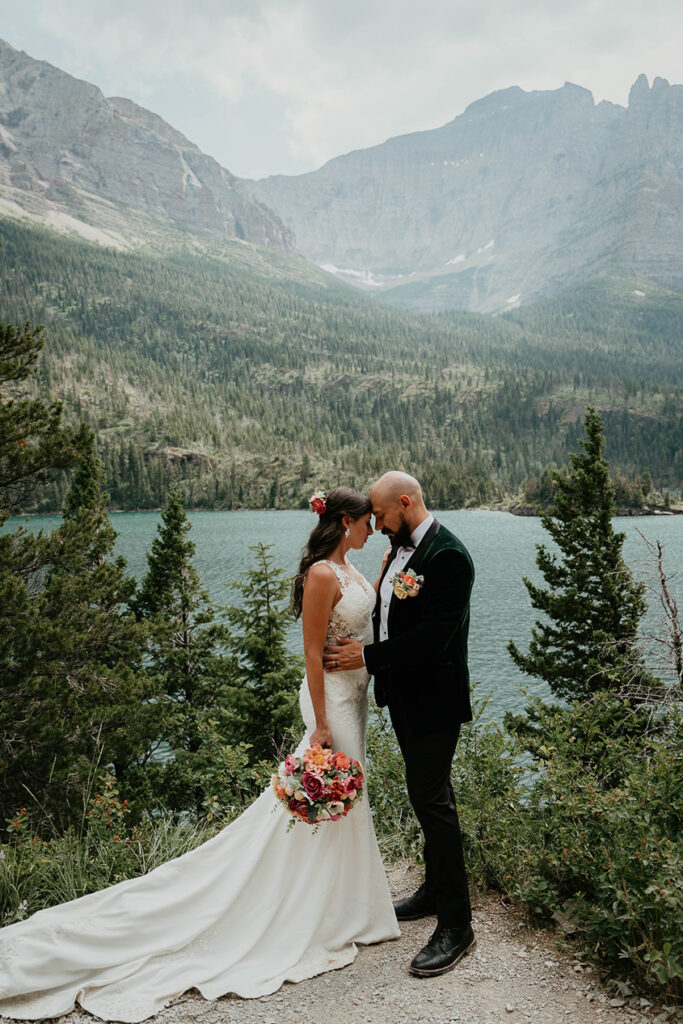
[[318, 502]]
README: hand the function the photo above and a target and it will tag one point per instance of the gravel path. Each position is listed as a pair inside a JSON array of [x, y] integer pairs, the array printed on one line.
[[514, 976]]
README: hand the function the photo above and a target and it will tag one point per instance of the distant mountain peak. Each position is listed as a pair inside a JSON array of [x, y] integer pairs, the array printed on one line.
[[496, 100], [639, 90], [522, 194], [111, 170]]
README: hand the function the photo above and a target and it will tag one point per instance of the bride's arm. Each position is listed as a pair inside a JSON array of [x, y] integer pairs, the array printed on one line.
[[321, 591]]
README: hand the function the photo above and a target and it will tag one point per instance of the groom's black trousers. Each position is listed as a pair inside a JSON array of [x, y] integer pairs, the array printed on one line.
[[428, 760]]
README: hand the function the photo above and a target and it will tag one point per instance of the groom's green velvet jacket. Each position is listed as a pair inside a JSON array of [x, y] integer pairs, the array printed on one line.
[[421, 669]]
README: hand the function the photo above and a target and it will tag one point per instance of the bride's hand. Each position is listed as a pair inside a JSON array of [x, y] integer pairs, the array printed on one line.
[[323, 736]]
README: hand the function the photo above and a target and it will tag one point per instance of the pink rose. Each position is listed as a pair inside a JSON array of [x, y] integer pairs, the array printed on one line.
[[351, 784], [290, 764], [314, 785]]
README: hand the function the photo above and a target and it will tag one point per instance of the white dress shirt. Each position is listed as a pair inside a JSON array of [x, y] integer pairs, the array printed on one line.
[[399, 561]]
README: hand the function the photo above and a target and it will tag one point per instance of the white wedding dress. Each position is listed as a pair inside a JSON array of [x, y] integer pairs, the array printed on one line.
[[253, 907]]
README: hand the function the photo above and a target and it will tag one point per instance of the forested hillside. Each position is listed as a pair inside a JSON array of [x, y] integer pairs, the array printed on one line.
[[252, 385]]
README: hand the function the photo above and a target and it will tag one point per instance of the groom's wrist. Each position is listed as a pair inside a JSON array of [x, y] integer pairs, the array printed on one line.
[[362, 654]]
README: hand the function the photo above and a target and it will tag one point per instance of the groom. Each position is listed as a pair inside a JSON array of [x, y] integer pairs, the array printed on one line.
[[419, 661]]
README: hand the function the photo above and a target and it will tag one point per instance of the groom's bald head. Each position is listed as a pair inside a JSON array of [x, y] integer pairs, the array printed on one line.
[[396, 500], [392, 485]]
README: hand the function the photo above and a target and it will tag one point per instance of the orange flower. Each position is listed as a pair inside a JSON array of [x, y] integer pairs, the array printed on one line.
[[317, 758], [341, 761]]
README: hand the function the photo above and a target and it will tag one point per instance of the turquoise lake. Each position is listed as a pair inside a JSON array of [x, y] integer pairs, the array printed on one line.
[[502, 547]]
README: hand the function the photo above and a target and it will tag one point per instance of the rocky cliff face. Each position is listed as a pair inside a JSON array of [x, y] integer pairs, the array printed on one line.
[[521, 195], [110, 169]]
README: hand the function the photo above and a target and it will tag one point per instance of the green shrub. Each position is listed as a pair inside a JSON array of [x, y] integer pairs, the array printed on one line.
[[488, 775], [105, 849], [605, 836]]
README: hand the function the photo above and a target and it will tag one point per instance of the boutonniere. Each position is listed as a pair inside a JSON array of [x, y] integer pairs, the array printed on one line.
[[406, 584]]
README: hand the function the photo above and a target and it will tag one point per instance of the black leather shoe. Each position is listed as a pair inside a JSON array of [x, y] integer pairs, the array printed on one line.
[[415, 906], [444, 950]]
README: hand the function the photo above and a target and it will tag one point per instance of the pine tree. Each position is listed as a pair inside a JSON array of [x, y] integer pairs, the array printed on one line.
[[33, 442], [186, 658], [79, 682], [263, 696], [33, 445], [592, 605]]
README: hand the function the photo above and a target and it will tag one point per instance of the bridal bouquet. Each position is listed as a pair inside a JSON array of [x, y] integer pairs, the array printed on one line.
[[319, 786]]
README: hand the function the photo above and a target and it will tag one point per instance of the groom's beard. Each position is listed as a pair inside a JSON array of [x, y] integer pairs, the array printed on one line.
[[401, 537]]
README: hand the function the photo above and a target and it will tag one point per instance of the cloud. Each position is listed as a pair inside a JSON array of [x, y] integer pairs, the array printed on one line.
[[334, 76]]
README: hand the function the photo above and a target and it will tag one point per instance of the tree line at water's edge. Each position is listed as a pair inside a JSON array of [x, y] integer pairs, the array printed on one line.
[[137, 719], [249, 388]]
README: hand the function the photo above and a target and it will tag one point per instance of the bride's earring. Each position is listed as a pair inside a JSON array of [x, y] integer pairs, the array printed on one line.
[[348, 531]]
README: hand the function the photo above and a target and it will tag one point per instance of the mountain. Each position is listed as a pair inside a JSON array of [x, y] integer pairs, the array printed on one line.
[[110, 170], [523, 194]]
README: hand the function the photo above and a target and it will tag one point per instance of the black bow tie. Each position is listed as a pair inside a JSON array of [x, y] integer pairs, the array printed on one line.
[[406, 547]]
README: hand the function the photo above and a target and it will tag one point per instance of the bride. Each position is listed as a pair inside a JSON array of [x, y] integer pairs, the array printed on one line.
[[257, 905]]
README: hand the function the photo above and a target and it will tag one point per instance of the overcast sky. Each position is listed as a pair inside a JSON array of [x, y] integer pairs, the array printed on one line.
[[280, 86]]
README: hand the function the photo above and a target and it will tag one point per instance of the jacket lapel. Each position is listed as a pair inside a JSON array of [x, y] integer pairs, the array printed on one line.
[[418, 556], [414, 562]]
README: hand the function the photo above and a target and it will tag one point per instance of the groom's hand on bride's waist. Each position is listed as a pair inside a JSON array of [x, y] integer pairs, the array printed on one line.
[[343, 656]]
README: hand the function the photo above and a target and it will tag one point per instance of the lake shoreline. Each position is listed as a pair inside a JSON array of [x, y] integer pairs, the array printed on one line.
[[512, 508]]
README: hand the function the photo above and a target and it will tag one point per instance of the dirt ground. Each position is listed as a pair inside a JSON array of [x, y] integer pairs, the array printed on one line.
[[515, 975]]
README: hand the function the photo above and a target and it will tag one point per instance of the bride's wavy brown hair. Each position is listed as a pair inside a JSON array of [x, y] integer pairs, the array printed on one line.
[[324, 538]]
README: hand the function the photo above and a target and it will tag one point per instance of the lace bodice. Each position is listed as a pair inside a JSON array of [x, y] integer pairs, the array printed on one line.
[[352, 614], [346, 692]]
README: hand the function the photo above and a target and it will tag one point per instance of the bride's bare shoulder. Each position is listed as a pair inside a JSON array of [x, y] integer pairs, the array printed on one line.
[[321, 588], [321, 572]]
